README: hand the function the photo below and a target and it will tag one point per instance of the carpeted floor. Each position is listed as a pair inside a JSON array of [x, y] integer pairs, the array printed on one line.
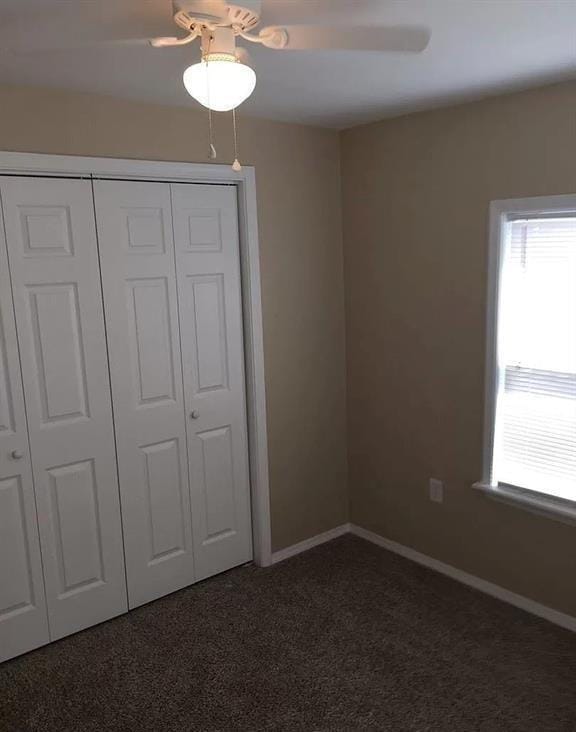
[[344, 637]]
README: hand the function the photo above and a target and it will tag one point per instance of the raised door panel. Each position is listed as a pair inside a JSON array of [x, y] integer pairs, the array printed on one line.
[[137, 255], [150, 336], [60, 367], [7, 420], [217, 485], [208, 270], [76, 521], [165, 493], [54, 266], [23, 616], [210, 342], [16, 591]]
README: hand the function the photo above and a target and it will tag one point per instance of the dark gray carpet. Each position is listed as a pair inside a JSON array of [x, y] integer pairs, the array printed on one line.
[[344, 637]]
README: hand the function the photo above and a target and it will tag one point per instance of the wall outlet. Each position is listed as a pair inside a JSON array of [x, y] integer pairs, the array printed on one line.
[[436, 490]]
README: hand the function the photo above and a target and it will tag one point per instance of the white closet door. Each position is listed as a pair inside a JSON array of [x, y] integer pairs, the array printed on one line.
[[23, 618], [137, 253], [208, 272], [55, 277]]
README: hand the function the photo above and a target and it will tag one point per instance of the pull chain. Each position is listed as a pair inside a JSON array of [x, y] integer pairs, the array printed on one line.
[[211, 150], [236, 164]]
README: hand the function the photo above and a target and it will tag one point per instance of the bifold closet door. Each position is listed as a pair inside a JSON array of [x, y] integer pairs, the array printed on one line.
[[137, 254], [53, 255], [23, 618], [208, 273]]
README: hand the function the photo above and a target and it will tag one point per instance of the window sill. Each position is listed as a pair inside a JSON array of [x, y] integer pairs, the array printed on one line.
[[553, 508]]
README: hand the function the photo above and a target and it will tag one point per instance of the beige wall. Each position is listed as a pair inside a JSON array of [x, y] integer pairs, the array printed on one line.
[[297, 171], [416, 192]]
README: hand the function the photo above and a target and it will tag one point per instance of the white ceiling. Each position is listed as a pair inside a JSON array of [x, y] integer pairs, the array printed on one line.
[[478, 48]]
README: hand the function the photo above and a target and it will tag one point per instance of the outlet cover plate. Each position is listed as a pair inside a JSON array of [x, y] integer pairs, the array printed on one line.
[[436, 490]]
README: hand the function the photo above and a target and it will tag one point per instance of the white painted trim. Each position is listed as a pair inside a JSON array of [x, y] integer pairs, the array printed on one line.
[[524, 603], [245, 182], [303, 546], [539, 503], [17, 163], [491, 366], [255, 376], [535, 205], [501, 593], [501, 212]]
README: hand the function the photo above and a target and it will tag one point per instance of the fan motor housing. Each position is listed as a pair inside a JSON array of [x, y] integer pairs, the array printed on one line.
[[189, 13], [219, 42]]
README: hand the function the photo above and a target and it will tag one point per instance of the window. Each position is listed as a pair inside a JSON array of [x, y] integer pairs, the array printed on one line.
[[530, 446]]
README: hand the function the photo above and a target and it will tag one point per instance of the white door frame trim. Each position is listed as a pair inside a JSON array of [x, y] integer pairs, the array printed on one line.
[[36, 164]]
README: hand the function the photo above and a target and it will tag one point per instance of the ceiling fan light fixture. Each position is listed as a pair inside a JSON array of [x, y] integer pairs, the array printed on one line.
[[220, 81]]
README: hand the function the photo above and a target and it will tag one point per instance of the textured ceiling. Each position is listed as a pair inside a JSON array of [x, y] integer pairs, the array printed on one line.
[[478, 47]]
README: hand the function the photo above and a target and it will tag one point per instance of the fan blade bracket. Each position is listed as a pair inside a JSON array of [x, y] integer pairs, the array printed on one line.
[[274, 37], [163, 42], [170, 41]]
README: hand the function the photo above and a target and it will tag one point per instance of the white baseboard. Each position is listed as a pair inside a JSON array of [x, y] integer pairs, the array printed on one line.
[[524, 603], [303, 546]]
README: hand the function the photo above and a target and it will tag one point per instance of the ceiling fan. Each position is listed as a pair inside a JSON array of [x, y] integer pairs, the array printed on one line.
[[224, 79]]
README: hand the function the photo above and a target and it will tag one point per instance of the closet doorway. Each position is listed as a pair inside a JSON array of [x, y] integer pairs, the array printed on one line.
[[132, 387]]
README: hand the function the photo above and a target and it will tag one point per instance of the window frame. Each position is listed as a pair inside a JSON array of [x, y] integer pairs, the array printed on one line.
[[501, 212]]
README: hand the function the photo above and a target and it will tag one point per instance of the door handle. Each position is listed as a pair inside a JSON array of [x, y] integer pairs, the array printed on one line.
[[16, 455], [194, 414]]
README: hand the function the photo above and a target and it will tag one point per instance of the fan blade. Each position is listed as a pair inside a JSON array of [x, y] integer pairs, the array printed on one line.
[[400, 39], [77, 46], [42, 24]]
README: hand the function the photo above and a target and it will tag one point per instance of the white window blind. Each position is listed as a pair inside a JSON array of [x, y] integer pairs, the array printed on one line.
[[535, 425]]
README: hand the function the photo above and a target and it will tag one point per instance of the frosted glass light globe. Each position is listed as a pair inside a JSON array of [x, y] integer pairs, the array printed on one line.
[[219, 84]]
